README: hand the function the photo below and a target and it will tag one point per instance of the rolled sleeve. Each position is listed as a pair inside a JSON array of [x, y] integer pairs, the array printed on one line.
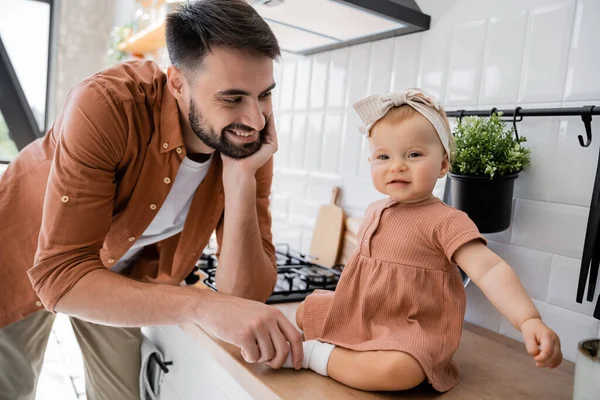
[[264, 179], [78, 204]]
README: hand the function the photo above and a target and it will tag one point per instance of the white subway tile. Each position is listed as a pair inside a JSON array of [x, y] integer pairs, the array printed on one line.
[[338, 78], [359, 193], [382, 58], [288, 86], [280, 206], [570, 327], [302, 86], [318, 82], [464, 70], [358, 84], [351, 144], [283, 123], [332, 138], [563, 286], [480, 311], [407, 51], [291, 183], [278, 76], [546, 53], [364, 169], [306, 242], [298, 142], [575, 166], [583, 80], [502, 59], [320, 187], [550, 227], [433, 64], [536, 182], [314, 141], [286, 233], [303, 213]]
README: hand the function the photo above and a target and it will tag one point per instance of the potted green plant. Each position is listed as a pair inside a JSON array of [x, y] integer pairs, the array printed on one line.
[[488, 159]]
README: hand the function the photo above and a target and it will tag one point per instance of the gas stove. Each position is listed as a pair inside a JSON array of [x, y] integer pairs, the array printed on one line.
[[297, 275]]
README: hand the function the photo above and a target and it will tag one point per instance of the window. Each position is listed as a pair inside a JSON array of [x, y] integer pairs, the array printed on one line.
[[25, 35]]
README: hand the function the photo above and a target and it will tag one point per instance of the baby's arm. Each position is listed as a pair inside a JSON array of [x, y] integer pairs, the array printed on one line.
[[502, 287]]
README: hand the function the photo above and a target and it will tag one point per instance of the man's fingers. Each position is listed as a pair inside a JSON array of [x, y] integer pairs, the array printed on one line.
[[249, 347], [295, 340], [281, 346], [265, 346]]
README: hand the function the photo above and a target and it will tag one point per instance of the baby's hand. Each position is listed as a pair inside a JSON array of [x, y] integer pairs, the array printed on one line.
[[538, 336]]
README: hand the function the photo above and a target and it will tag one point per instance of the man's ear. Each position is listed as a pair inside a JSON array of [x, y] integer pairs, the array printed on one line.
[[176, 82]]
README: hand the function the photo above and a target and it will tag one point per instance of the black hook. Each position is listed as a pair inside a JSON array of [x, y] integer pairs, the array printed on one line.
[[462, 114], [515, 121], [586, 117], [161, 364], [493, 111]]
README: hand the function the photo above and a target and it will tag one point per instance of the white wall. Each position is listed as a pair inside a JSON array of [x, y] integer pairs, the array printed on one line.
[[477, 54], [82, 43]]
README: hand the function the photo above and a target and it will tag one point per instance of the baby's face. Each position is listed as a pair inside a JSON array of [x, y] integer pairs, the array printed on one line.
[[406, 159]]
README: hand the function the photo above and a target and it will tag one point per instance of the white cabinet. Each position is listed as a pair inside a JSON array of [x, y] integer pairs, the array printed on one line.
[[195, 374]]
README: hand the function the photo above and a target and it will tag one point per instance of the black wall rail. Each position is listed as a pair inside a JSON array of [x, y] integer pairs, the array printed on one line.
[[590, 259]]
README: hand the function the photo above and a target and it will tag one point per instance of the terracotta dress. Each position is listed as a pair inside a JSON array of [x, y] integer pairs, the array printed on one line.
[[400, 290]]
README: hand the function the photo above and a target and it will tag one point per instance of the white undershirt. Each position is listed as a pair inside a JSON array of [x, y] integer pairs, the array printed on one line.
[[172, 214]]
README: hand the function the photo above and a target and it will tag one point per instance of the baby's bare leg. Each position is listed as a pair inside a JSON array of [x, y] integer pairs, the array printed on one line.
[[375, 370]]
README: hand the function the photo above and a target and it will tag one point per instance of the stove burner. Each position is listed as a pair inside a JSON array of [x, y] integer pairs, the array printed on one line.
[[297, 275]]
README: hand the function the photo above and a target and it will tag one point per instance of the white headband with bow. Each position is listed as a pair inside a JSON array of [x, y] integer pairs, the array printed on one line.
[[373, 108]]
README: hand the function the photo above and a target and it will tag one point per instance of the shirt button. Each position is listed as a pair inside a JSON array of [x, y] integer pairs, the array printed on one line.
[[153, 206], [179, 150], [64, 199], [131, 239], [38, 303], [167, 180], [111, 260], [165, 145]]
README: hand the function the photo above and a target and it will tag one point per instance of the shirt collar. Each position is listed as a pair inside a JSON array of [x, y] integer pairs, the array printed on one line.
[[170, 132]]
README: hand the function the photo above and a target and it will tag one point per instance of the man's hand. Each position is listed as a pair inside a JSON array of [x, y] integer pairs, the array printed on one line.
[[262, 332], [538, 336], [234, 167]]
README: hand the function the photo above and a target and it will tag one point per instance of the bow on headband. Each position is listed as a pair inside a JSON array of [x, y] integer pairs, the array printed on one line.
[[373, 108]]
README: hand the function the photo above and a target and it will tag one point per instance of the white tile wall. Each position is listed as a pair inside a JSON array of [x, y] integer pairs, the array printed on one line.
[[546, 52], [498, 53], [464, 69], [502, 59]]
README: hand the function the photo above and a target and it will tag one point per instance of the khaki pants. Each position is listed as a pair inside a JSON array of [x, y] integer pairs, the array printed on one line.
[[111, 357]]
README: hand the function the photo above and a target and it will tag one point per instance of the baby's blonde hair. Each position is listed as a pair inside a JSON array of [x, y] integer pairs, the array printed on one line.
[[404, 112]]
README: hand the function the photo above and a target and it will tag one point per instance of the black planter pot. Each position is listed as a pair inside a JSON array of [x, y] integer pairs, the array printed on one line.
[[488, 202]]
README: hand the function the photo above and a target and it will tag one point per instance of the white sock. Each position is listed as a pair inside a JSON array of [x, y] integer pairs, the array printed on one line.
[[316, 356]]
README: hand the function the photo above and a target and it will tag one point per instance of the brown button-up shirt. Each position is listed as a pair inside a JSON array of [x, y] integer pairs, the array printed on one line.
[[72, 201]]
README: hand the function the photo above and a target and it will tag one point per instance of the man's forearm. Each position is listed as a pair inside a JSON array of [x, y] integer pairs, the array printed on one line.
[[244, 268], [108, 298]]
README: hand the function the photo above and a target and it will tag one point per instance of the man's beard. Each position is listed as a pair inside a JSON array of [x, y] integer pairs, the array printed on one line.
[[221, 143]]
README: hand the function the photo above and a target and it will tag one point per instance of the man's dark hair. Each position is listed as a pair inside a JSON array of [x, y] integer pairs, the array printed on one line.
[[196, 27]]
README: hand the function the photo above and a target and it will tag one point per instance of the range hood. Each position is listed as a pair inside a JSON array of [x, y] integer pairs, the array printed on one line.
[[312, 26]]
